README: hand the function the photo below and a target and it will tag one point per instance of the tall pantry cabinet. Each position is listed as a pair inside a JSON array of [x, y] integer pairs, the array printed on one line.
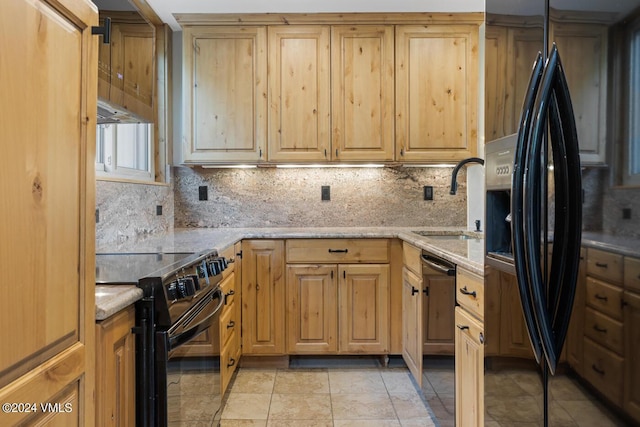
[[48, 80]]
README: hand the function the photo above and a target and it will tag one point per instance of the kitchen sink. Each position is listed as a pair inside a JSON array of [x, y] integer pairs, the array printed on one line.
[[449, 235]]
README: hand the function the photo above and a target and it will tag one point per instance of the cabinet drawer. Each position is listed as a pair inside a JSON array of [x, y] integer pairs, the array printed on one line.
[[229, 358], [228, 287], [632, 274], [604, 370], [411, 258], [605, 298], [229, 254], [338, 250], [229, 324], [604, 265], [470, 292], [603, 330]]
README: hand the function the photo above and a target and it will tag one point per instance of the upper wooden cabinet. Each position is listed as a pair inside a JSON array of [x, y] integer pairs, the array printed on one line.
[[224, 94], [436, 92], [362, 93], [299, 93], [49, 74], [126, 65]]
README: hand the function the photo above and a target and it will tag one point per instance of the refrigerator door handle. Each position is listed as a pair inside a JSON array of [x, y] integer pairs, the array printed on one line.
[[517, 213]]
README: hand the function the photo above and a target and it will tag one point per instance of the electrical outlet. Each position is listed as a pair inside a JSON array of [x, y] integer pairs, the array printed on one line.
[[428, 192], [325, 193], [158, 209], [626, 213], [203, 192], [97, 216]]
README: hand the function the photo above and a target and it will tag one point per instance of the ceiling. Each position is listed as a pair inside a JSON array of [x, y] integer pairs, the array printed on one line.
[[166, 8]]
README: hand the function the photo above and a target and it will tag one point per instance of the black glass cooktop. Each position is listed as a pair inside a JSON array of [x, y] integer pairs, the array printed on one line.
[[128, 268]]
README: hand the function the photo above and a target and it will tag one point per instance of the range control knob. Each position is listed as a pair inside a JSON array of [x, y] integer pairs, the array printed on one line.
[[172, 291], [186, 287]]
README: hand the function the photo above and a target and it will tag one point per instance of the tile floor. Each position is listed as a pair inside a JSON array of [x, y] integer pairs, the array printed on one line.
[[325, 397]]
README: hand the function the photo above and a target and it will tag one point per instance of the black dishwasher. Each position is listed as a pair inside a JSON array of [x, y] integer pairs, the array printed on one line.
[[439, 296]]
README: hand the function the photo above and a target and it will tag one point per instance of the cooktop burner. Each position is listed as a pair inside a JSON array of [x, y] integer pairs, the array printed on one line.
[[128, 268]]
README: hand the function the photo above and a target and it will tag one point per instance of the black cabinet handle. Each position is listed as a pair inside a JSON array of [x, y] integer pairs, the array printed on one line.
[[464, 291], [232, 362], [462, 327], [231, 324], [602, 264], [601, 298], [414, 291], [599, 329], [598, 370], [481, 338], [338, 251]]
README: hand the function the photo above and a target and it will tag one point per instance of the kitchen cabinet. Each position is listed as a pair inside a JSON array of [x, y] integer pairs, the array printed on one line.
[[412, 336], [469, 369], [126, 65], [362, 90], [115, 370], [224, 94], [230, 324], [299, 93], [438, 303], [631, 395], [436, 92], [263, 297], [49, 75], [494, 87], [338, 295]]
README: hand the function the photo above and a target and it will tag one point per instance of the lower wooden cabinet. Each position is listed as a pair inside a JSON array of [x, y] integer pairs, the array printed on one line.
[[632, 349], [439, 300], [115, 370], [411, 325], [263, 293], [469, 370], [575, 340], [337, 308]]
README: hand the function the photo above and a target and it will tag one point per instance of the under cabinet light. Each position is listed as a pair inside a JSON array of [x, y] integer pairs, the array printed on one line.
[[228, 166], [340, 165]]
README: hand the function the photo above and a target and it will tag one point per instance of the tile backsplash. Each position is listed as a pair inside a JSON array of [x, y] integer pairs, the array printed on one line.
[[273, 197]]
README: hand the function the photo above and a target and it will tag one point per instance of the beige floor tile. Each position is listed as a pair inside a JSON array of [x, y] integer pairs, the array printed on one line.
[[442, 381], [349, 381], [409, 406], [362, 406], [195, 408], [300, 423], [295, 381], [397, 381], [498, 384], [424, 422], [300, 407], [192, 383], [366, 423], [254, 381], [191, 423], [247, 406], [243, 423], [588, 414], [516, 409], [564, 388]]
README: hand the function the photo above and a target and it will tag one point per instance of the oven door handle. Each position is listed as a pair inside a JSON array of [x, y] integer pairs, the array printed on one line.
[[186, 334]]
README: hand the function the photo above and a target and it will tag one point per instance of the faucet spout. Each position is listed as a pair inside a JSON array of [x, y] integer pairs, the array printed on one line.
[[454, 174]]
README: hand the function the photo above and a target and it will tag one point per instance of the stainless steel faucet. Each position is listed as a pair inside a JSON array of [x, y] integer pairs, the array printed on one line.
[[454, 174]]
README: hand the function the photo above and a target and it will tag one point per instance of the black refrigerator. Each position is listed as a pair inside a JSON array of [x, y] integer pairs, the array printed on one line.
[[556, 77]]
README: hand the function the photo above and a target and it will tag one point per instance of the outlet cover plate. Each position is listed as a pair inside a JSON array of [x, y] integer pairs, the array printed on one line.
[[325, 193]]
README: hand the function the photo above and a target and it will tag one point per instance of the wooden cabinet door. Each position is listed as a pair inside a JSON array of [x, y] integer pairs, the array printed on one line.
[[263, 293], [586, 71], [632, 350], [48, 109], [436, 92], [439, 300], [495, 98], [412, 323], [575, 335], [115, 370], [363, 295], [299, 93], [224, 94], [514, 338], [469, 370], [362, 89], [312, 315]]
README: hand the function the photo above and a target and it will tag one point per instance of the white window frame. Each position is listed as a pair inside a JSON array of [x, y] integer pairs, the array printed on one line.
[[107, 165], [631, 147]]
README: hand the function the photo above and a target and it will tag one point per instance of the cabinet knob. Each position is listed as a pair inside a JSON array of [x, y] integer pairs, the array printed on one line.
[[481, 338], [231, 324], [414, 291], [462, 327], [232, 362], [601, 298], [464, 291], [602, 264]]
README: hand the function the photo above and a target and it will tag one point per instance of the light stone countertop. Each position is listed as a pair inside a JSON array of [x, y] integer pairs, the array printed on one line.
[[468, 254]]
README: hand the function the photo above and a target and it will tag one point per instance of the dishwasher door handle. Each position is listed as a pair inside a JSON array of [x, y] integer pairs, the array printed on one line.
[[445, 269]]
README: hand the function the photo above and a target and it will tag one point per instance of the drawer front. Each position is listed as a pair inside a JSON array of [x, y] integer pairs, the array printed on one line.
[[229, 254], [228, 287], [411, 258], [229, 358], [632, 274], [229, 324], [604, 370], [338, 250], [604, 265], [603, 330], [605, 298], [470, 292]]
